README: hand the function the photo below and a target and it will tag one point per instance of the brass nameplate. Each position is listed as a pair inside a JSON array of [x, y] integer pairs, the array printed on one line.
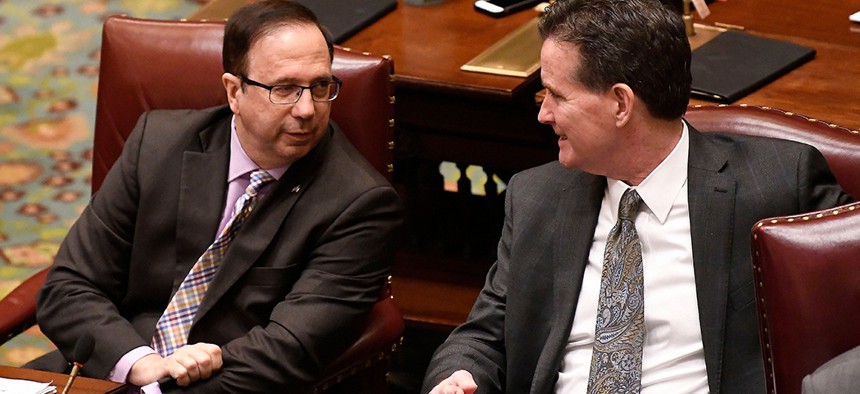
[[516, 54]]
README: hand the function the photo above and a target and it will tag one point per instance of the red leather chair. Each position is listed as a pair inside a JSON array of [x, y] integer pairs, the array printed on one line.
[[808, 272], [149, 64], [807, 267]]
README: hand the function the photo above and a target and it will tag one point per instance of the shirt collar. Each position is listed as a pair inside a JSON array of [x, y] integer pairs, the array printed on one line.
[[662, 186], [240, 163]]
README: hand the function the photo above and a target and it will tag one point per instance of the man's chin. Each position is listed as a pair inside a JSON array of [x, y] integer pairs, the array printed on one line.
[[566, 162]]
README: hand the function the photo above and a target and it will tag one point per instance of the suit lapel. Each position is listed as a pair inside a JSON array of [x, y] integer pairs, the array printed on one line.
[[259, 229], [712, 209], [578, 209], [201, 196]]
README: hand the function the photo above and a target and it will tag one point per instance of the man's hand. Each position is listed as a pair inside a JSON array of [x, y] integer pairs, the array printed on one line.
[[148, 369], [459, 382], [186, 365], [191, 363]]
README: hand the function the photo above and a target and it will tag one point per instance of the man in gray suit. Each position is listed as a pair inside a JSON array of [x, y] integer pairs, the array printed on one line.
[[617, 78], [839, 375], [295, 282]]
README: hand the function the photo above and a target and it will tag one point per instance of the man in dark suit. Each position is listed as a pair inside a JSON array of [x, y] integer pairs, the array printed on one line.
[[617, 76], [293, 285]]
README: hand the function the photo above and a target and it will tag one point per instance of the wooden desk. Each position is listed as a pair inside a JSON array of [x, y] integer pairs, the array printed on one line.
[[828, 87], [445, 114], [81, 385]]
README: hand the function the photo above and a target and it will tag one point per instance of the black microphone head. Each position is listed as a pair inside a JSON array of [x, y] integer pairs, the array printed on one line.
[[84, 348]]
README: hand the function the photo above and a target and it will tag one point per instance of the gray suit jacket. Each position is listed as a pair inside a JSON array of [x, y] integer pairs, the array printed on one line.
[[839, 375], [514, 338], [290, 294]]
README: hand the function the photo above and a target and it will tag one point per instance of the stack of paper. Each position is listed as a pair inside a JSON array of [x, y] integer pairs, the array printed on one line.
[[18, 386]]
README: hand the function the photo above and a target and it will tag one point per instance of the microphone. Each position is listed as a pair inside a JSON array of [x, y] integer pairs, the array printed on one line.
[[83, 350]]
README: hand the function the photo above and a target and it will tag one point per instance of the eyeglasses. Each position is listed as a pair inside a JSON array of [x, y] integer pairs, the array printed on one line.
[[290, 94]]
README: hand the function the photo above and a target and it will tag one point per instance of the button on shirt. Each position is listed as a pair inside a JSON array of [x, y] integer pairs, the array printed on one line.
[[673, 356]]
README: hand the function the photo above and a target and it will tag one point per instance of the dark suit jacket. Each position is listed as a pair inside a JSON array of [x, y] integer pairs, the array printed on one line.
[[514, 339], [293, 289]]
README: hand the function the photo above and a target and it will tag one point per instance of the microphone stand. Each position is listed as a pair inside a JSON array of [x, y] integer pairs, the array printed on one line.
[[76, 369]]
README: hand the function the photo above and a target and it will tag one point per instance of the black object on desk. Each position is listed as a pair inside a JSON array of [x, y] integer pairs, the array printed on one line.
[[343, 18], [734, 64]]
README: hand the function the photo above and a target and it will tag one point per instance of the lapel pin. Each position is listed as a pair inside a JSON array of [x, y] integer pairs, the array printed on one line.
[[296, 189]]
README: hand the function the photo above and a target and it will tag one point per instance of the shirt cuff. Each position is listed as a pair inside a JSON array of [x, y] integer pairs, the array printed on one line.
[[152, 388], [119, 373]]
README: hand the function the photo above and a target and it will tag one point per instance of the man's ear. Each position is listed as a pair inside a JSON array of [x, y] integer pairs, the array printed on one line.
[[233, 87], [624, 99]]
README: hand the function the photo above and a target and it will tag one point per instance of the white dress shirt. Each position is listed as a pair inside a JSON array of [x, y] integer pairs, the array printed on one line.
[[673, 356]]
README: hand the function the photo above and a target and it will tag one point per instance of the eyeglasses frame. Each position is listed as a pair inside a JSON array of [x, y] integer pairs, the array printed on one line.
[[334, 80]]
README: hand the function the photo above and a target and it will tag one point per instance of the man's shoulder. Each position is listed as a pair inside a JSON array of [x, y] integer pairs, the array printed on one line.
[[182, 118], [551, 175], [753, 142], [345, 165], [167, 127]]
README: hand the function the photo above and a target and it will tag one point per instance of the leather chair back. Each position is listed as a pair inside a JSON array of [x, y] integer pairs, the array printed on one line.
[[154, 64], [839, 145], [807, 270], [806, 267]]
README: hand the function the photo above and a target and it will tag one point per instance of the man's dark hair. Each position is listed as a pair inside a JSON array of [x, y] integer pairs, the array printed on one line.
[[256, 20], [641, 43]]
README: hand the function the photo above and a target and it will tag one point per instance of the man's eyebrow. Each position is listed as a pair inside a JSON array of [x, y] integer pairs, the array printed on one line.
[[295, 81]]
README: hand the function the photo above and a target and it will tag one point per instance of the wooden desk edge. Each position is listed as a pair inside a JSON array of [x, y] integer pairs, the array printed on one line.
[[81, 385]]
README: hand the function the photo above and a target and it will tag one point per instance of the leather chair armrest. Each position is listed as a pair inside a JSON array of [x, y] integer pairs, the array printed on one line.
[[381, 337], [19, 306]]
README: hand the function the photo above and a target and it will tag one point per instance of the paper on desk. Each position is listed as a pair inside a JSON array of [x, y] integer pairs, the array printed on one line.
[[702, 8], [19, 386]]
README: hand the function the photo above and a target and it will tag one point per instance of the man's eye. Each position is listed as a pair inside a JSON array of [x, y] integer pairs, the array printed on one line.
[[284, 91]]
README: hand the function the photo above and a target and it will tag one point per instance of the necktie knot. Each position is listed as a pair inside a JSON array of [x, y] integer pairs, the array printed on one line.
[[259, 178], [629, 205]]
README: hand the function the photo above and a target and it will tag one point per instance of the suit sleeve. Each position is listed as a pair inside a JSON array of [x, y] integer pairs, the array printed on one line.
[[87, 280], [478, 346], [818, 186], [325, 309]]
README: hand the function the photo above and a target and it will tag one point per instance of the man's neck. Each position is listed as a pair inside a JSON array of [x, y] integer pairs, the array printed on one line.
[[650, 141]]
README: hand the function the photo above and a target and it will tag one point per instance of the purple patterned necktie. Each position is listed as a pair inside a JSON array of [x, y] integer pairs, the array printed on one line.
[[616, 364], [173, 326]]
